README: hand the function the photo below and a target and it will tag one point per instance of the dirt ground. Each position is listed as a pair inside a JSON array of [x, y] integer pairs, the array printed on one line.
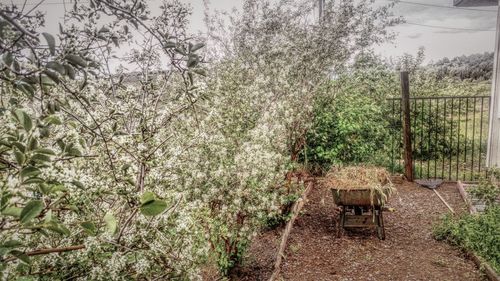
[[408, 253]]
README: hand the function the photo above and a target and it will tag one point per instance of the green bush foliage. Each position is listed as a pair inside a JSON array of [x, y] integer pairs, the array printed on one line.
[[354, 122], [349, 128], [477, 233], [488, 188]]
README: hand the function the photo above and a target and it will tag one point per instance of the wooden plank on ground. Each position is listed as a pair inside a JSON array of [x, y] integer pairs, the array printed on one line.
[[297, 206]]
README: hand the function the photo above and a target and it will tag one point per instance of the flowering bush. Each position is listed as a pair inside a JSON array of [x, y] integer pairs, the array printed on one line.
[[167, 162]]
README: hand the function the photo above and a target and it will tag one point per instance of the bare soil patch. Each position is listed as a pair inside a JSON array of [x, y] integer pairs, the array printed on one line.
[[408, 253]]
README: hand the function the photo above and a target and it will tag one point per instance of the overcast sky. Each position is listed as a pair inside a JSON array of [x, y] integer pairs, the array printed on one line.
[[438, 42]]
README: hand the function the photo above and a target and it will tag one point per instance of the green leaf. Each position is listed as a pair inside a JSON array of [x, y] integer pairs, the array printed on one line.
[[44, 188], [27, 123], [125, 167], [32, 143], [70, 71], [46, 81], [4, 200], [78, 184], [11, 244], [48, 216], [19, 157], [40, 158], [89, 227], [104, 29], [57, 188], [111, 222], [51, 42], [19, 146], [26, 88], [192, 61], [200, 71], [12, 211], [30, 171], [115, 41], [57, 228], [170, 44], [5, 143], [45, 151], [76, 60], [52, 119], [33, 180], [52, 75], [153, 208], [22, 256], [147, 197], [7, 58], [31, 211], [24, 119], [197, 47], [74, 152], [54, 65], [44, 132], [180, 51]]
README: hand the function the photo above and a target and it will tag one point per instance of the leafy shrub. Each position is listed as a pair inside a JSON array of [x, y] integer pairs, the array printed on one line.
[[354, 122], [282, 217], [488, 189], [477, 233], [347, 128]]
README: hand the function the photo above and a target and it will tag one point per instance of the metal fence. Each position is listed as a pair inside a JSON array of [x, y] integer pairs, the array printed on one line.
[[448, 134]]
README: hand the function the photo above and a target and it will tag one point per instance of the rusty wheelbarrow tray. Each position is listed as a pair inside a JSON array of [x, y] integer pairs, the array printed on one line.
[[360, 208]]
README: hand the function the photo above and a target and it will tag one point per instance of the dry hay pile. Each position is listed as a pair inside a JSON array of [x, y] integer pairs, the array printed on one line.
[[375, 179]]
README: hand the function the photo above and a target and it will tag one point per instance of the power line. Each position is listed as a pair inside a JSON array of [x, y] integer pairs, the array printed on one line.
[[393, 1], [439, 6], [447, 27], [45, 3]]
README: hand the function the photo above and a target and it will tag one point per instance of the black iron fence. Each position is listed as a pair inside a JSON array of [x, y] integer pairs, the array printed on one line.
[[448, 134]]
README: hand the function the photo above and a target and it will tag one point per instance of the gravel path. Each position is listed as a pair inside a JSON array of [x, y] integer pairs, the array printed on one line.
[[408, 253]]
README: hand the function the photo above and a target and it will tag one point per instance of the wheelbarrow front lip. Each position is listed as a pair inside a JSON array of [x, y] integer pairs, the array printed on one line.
[[355, 197]]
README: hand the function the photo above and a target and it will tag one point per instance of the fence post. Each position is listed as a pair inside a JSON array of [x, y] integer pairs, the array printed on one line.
[[405, 99]]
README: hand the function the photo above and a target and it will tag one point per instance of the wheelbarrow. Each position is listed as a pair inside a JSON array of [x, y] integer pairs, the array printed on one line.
[[359, 208]]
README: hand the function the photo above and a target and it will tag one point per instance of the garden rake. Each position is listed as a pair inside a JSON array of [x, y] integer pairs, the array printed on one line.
[[433, 184]]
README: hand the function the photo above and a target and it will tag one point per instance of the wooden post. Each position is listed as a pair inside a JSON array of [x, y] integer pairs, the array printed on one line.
[[493, 151], [321, 5], [405, 100]]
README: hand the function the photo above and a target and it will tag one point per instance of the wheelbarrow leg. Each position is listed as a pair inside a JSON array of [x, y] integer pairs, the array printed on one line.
[[380, 223], [341, 222]]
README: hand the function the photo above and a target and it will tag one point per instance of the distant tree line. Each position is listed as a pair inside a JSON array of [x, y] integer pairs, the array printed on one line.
[[472, 67]]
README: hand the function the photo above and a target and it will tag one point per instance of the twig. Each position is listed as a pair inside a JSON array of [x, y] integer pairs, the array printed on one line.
[[125, 225], [17, 26]]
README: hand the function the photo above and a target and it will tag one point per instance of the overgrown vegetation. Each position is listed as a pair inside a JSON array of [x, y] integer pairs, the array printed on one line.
[[354, 122], [488, 189], [477, 233], [166, 160]]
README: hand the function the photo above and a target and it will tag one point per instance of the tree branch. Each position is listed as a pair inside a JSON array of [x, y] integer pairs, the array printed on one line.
[[49, 251]]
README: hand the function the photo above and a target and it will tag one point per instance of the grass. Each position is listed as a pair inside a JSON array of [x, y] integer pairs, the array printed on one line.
[[467, 150]]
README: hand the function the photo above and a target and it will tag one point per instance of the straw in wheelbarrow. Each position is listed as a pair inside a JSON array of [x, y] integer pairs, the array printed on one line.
[[375, 179]]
